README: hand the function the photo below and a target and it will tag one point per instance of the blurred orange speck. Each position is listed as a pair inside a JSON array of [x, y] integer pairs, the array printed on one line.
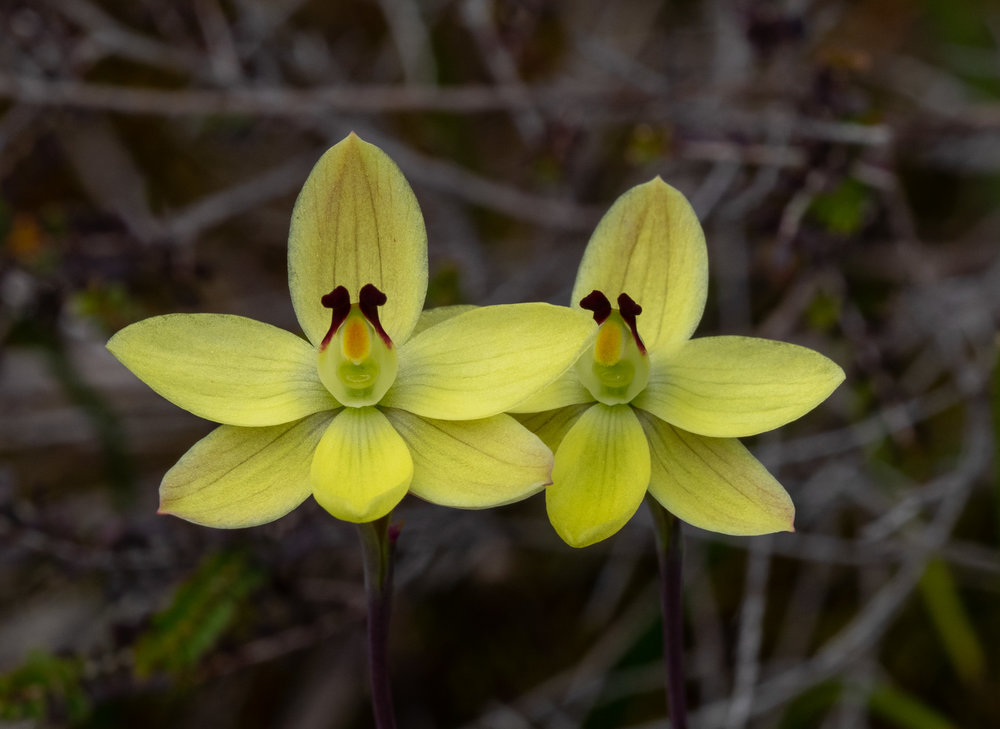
[[25, 238]]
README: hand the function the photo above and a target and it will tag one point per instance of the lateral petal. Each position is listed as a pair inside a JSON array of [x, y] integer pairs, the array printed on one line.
[[714, 483], [239, 477], [473, 464], [356, 221], [552, 425], [430, 317], [225, 368], [650, 246], [729, 387], [485, 361], [600, 476], [563, 391], [362, 468]]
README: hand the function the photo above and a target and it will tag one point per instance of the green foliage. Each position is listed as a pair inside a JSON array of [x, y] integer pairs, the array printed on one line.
[[107, 304], [824, 312], [809, 708], [202, 610], [46, 686], [646, 145], [445, 287], [844, 210], [959, 23], [952, 621], [903, 710]]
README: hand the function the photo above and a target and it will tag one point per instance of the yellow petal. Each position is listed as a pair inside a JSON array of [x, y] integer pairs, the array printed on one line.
[[485, 361], [600, 475], [650, 246], [225, 368], [473, 464], [565, 390], [362, 468], [714, 483], [357, 222], [430, 317], [240, 477], [552, 425], [728, 387]]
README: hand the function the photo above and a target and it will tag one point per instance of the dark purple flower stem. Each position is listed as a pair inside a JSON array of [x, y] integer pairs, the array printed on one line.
[[670, 555], [378, 543]]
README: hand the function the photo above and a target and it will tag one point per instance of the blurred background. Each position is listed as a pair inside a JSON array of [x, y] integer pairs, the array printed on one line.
[[845, 160]]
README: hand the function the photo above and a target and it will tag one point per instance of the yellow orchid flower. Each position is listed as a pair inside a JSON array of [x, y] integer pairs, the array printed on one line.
[[649, 408], [377, 402]]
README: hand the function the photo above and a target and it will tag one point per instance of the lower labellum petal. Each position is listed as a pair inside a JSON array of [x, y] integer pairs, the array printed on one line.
[[240, 477], [600, 476], [714, 483], [473, 464], [362, 467]]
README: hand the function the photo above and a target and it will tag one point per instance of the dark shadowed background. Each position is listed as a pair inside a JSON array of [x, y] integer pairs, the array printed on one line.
[[845, 160]]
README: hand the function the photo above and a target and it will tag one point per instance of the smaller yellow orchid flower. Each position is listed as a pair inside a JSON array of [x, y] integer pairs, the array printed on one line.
[[380, 400], [649, 408]]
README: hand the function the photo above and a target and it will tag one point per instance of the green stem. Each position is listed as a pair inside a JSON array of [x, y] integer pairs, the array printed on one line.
[[670, 556], [378, 542]]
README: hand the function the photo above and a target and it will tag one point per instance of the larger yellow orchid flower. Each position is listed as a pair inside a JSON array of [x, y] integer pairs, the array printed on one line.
[[651, 408], [376, 403]]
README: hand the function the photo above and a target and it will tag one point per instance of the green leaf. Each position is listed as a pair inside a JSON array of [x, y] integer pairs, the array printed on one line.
[[44, 686], [844, 209], [203, 608], [952, 622], [904, 710]]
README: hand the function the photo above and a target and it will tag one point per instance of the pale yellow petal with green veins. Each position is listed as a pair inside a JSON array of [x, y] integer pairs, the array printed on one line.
[[240, 477], [650, 246], [566, 390], [714, 483], [473, 464], [552, 425], [356, 221], [225, 368], [438, 314], [484, 361], [600, 476], [362, 468], [729, 387]]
